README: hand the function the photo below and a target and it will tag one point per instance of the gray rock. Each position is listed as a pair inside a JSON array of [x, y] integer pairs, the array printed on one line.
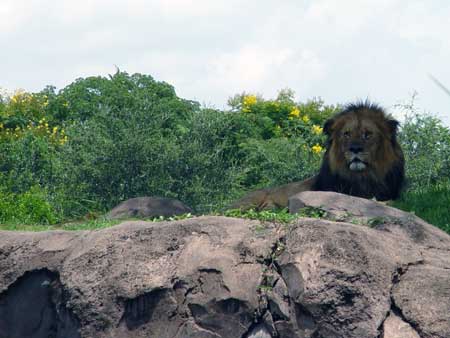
[[341, 205], [345, 208], [218, 277], [395, 327], [148, 207]]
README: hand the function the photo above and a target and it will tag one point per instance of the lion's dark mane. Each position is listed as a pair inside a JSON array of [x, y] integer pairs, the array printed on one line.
[[367, 187]]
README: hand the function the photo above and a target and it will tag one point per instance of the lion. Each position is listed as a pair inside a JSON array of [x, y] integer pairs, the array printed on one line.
[[362, 158]]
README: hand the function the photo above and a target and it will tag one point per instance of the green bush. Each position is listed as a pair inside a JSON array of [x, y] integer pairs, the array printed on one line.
[[426, 144], [430, 203], [27, 161], [30, 207], [277, 161]]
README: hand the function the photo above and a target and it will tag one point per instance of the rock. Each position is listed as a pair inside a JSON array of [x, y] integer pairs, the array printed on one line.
[[148, 207], [42, 290], [218, 277], [341, 205], [395, 327]]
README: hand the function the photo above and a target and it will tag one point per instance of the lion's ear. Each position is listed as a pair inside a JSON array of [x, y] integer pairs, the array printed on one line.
[[393, 125], [327, 127]]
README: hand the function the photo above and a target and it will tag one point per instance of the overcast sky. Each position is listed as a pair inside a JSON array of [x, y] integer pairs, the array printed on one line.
[[212, 49]]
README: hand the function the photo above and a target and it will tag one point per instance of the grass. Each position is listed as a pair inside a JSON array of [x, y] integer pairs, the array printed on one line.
[[431, 204], [95, 224], [76, 225], [277, 215]]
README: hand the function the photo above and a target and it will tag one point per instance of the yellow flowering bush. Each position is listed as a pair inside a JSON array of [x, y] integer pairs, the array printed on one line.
[[23, 113], [282, 117]]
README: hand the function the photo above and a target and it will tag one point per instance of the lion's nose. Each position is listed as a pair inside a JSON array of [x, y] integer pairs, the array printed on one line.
[[356, 148]]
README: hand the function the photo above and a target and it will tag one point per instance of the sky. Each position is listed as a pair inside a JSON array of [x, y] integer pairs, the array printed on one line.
[[209, 50]]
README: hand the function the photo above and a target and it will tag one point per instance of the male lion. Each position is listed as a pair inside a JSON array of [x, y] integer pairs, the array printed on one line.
[[362, 158]]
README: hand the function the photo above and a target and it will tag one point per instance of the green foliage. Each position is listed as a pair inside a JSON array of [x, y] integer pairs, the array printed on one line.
[[426, 144], [27, 161], [277, 215], [430, 203], [30, 207], [280, 216], [278, 160], [313, 212], [120, 92]]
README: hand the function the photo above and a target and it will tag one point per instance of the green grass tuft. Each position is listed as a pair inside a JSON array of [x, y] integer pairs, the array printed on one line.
[[431, 203]]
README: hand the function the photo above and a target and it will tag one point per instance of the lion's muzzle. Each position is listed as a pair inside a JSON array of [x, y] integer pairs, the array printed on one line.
[[356, 161]]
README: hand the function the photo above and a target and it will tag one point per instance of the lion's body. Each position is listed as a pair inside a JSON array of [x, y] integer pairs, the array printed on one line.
[[362, 158], [276, 197]]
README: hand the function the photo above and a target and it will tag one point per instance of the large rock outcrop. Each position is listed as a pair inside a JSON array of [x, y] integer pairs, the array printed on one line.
[[218, 277]]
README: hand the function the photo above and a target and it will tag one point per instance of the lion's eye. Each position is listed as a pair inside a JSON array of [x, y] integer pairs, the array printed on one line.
[[366, 135]]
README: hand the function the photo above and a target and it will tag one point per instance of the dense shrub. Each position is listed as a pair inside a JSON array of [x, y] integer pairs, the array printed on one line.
[[426, 144], [30, 207]]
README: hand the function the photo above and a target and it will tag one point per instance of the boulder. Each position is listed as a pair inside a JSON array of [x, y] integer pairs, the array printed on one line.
[[218, 277], [148, 207]]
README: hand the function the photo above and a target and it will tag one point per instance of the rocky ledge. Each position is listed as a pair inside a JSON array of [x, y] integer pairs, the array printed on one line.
[[216, 277]]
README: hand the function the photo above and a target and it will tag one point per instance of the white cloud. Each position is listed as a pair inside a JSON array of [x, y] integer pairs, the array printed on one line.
[[261, 69], [12, 15]]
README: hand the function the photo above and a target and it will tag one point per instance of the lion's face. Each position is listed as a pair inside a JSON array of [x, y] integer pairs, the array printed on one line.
[[361, 142], [357, 143]]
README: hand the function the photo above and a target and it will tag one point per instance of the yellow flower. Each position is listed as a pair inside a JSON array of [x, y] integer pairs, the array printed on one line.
[[317, 149], [294, 113], [18, 94], [63, 140], [305, 118], [248, 101], [317, 129]]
